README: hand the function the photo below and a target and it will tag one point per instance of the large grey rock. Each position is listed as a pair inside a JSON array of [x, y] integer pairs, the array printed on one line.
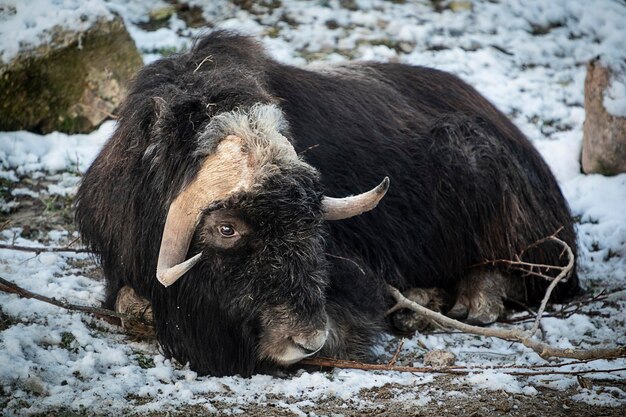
[[70, 84], [604, 134]]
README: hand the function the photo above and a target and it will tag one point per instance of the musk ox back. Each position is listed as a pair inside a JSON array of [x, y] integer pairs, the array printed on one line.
[[219, 199]]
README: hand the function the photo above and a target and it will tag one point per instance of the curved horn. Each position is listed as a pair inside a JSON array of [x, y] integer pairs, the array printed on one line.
[[224, 172], [343, 208]]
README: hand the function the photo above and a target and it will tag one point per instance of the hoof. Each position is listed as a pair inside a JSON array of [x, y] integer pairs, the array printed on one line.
[[459, 311], [480, 299], [139, 322], [408, 321]]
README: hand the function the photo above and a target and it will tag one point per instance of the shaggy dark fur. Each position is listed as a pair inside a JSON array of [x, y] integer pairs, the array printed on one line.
[[466, 186]]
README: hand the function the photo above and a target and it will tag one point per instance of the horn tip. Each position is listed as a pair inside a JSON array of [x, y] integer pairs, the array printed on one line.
[[163, 280], [383, 186]]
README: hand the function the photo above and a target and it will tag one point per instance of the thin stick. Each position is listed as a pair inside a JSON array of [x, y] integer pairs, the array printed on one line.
[[394, 358], [515, 335], [102, 313], [530, 268], [337, 363], [207, 58], [455, 370], [565, 272], [42, 249]]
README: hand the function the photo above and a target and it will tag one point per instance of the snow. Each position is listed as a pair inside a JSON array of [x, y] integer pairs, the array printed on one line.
[[615, 95], [528, 57], [496, 381], [25, 152], [26, 24]]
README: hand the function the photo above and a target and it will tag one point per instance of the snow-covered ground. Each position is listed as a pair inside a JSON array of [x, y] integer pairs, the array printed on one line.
[[526, 56]]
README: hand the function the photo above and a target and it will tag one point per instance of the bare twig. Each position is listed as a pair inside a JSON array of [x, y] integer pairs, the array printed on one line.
[[207, 58], [456, 370], [515, 335], [43, 249], [571, 308], [394, 358], [565, 272], [535, 269], [337, 363], [102, 313]]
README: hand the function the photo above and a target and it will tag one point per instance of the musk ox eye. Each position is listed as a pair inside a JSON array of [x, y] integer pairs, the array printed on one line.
[[227, 230]]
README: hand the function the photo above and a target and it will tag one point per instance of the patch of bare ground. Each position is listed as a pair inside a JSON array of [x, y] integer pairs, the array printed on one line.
[[442, 398], [38, 211]]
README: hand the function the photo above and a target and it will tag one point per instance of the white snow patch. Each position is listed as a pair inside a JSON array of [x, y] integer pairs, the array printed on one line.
[[25, 152], [602, 396], [26, 24], [498, 381], [615, 95]]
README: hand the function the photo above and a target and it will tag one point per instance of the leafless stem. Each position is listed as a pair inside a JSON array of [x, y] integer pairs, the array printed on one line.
[[535, 269], [394, 358], [207, 58], [456, 370], [565, 272], [515, 335], [108, 315], [42, 249]]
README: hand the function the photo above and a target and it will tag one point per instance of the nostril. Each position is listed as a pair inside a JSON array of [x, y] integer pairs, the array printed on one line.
[[311, 343]]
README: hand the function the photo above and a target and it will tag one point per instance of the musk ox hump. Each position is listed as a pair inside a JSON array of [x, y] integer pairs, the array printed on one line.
[[228, 170]]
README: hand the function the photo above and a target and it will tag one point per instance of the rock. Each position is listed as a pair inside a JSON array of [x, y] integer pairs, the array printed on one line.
[[71, 83], [162, 13], [457, 6], [439, 358], [604, 134], [504, 406]]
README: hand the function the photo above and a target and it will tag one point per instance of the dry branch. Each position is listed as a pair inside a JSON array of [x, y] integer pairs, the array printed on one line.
[[42, 249], [524, 337], [515, 335], [102, 313], [455, 370]]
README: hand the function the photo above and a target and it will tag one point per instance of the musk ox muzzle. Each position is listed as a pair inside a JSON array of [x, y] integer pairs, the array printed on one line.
[[286, 340]]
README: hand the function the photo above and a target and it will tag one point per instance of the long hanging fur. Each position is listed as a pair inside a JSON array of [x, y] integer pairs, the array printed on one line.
[[466, 186]]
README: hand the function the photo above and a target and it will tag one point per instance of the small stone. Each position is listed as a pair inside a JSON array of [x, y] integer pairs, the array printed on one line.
[[504, 406], [439, 358], [405, 47], [461, 5], [35, 385], [162, 14]]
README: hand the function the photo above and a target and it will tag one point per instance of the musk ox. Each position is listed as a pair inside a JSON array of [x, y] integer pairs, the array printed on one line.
[[224, 199]]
